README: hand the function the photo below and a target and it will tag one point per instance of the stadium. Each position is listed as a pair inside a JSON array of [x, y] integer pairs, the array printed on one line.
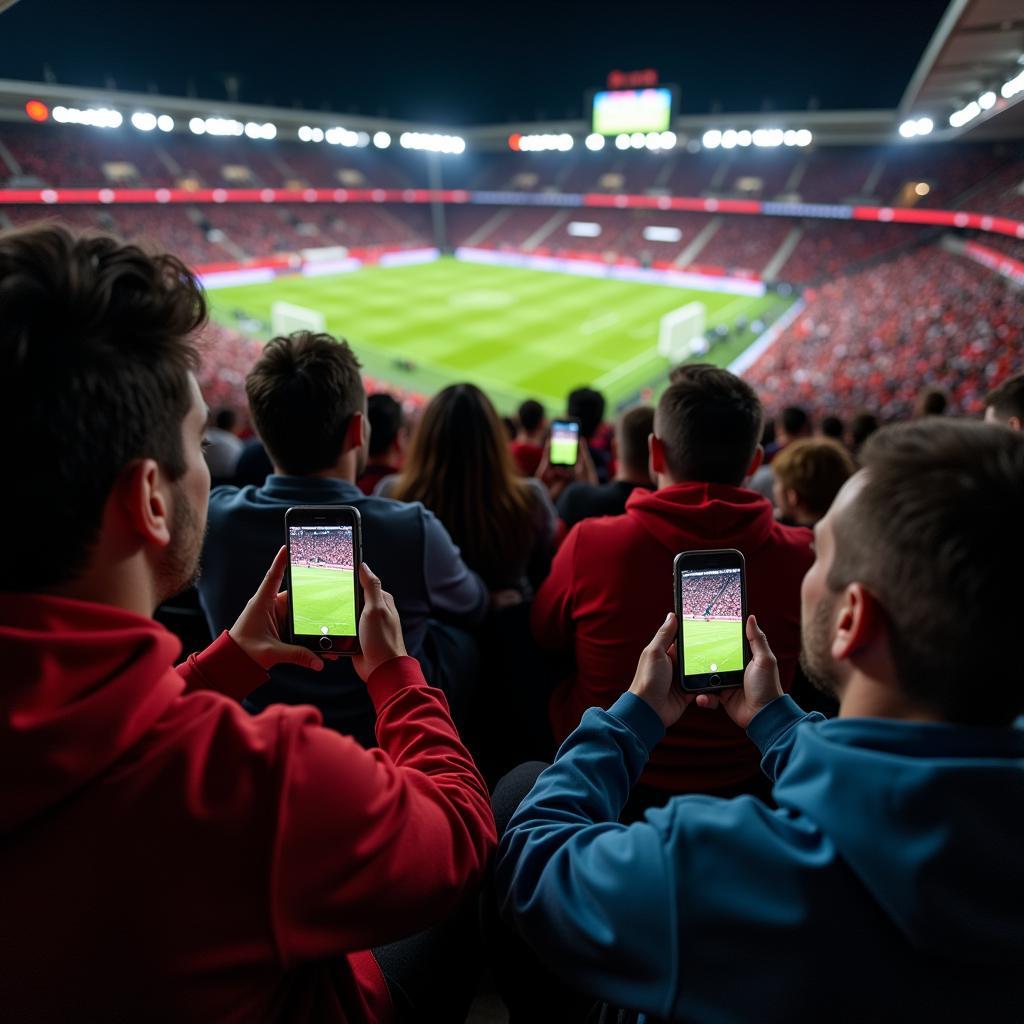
[[549, 296]]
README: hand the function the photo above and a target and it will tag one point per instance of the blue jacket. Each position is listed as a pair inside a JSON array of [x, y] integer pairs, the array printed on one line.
[[888, 885], [404, 544]]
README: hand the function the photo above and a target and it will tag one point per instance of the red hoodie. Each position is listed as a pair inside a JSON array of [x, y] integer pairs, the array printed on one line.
[[610, 588], [163, 855]]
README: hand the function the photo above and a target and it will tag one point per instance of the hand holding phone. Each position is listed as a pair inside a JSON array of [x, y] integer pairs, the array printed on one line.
[[564, 446], [380, 629]]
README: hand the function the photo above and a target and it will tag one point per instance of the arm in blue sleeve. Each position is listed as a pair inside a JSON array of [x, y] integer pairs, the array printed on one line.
[[596, 899], [453, 588], [773, 731]]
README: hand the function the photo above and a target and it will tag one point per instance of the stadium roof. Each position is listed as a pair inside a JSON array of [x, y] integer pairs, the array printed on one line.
[[975, 49]]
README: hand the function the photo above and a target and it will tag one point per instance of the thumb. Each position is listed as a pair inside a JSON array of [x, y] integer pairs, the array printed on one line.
[[666, 634], [758, 641], [372, 590]]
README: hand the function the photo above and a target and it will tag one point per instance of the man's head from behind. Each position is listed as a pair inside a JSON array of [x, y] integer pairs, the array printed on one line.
[[532, 420], [632, 433], [308, 404], [706, 428], [916, 567], [587, 406], [1006, 403], [102, 415], [808, 474], [387, 427], [793, 422]]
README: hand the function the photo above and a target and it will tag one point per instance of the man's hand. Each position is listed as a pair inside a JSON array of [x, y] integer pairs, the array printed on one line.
[[259, 627], [655, 680], [761, 683], [557, 478], [380, 629]]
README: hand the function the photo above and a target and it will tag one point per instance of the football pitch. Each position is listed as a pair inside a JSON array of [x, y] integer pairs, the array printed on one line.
[[715, 646], [517, 333], [323, 601]]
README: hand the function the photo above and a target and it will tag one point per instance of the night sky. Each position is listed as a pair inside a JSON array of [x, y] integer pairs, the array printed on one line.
[[468, 64]]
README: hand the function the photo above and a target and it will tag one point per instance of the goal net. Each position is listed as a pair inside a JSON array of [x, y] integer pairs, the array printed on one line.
[[681, 332], [286, 317]]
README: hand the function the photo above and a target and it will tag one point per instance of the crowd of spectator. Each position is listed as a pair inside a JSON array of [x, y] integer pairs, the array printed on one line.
[[331, 548], [516, 678], [712, 595]]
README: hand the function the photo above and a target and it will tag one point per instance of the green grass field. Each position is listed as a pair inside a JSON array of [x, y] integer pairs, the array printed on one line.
[[323, 598], [517, 333], [715, 646]]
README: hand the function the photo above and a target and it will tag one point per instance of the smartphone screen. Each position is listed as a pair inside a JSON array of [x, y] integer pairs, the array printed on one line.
[[323, 583], [565, 442], [711, 602]]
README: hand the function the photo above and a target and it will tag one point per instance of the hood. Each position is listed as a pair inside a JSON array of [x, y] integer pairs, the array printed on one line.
[[928, 817], [82, 683], [690, 516]]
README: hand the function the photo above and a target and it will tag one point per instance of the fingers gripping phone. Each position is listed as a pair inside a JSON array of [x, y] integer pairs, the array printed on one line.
[[565, 442], [325, 547], [711, 607]]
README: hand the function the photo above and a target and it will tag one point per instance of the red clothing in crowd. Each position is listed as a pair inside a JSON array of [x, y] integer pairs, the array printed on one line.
[[610, 589], [373, 474], [527, 456], [165, 856]]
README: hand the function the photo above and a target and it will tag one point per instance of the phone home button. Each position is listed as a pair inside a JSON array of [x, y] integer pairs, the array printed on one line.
[[714, 680], [326, 643]]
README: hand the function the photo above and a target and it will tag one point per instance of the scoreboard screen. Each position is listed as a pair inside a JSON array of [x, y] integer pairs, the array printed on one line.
[[633, 110]]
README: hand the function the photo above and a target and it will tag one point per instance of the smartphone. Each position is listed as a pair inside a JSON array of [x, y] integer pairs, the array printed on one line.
[[711, 607], [325, 547], [565, 442]]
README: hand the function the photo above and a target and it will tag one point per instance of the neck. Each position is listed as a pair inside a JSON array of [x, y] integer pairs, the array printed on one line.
[[126, 582], [866, 697], [627, 475], [343, 469]]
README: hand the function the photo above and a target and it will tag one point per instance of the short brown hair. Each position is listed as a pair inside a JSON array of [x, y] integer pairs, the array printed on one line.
[[303, 392], [631, 434], [815, 468], [1008, 398], [935, 535], [95, 351], [709, 422]]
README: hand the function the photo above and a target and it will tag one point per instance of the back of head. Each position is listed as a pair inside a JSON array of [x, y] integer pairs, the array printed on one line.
[[794, 421], [931, 402], [815, 468], [631, 434], [863, 426], [302, 393], [225, 419], [531, 415], [709, 422], [460, 467], [96, 350], [586, 405], [832, 426], [385, 415], [935, 535], [1007, 400]]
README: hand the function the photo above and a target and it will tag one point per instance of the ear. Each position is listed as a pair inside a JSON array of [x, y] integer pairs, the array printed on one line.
[[792, 498], [1015, 423], [859, 621], [357, 433], [143, 501], [657, 451], [755, 462]]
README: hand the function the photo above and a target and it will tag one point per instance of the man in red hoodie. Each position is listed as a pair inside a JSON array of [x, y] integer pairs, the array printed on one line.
[[163, 855], [611, 582]]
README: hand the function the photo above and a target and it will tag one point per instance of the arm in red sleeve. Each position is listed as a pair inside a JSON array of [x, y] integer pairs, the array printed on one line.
[[551, 615], [223, 667], [374, 845]]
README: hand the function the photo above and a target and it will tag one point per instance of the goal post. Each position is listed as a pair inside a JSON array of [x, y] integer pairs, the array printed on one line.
[[681, 332], [286, 317]]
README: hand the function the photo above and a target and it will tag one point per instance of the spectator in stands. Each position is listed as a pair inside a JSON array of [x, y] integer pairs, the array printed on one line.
[[893, 846], [808, 474], [931, 402], [583, 501], [863, 426], [223, 445], [587, 406], [791, 425], [388, 440], [307, 401], [166, 856], [528, 446], [611, 580], [1006, 403], [833, 427], [460, 467]]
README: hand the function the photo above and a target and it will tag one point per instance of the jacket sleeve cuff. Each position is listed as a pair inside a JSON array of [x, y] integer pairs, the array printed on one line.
[[641, 718], [768, 725], [223, 667], [391, 676]]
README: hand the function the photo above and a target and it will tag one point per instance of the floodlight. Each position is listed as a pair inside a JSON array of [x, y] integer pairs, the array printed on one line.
[[987, 100], [712, 139], [197, 126], [381, 140], [653, 140], [622, 142], [668, 140], [744, 137], [730, 139], [804, 137], [595, 142], [922, 188], [165, 123], [305, 133], [908, 129], [143, 121], [638, 140]]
